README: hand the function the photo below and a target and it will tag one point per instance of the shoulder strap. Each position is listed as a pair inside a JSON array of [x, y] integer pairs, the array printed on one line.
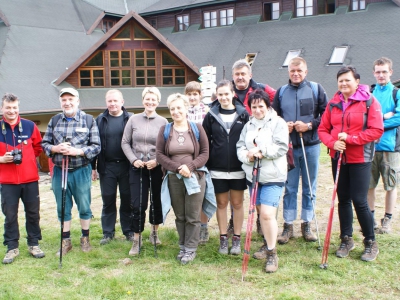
[[395, 90], [314, 87], [281, 90], [167, 130], [89, 120], [372, 88], [55, 119], [195, 130]]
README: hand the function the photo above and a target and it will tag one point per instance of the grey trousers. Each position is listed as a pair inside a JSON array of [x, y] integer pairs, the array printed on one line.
[[187, 210]]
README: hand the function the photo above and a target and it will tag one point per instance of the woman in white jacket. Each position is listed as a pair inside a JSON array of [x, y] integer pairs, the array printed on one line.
[[265, 136]]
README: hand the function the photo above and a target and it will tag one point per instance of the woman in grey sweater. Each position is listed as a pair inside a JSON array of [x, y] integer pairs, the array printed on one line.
[[139, 146]]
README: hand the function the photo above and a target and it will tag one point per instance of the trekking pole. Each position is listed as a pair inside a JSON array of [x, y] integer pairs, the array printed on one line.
[[324, 261], [152, 212], [64, 181], [310, 187], [140, 205], [252, 206]]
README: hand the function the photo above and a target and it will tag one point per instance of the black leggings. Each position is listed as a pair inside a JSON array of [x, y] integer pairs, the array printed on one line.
[[156, 181], [353, 187]]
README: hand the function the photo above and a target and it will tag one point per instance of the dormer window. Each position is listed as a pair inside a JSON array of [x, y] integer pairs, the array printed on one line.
[[182, 22], [357, 5], [304, 8], [223, 17], [271, 11]]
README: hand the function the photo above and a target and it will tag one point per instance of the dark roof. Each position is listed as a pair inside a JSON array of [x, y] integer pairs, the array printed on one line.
[[171, 5], [88, 13], [367, 36], [113, 30], [37, 48]]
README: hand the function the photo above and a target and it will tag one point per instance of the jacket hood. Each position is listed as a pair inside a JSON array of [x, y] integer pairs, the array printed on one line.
[[239, 108], [362, 93]]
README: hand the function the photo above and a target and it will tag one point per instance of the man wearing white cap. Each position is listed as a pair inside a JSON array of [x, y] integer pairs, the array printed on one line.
[[74, 135]]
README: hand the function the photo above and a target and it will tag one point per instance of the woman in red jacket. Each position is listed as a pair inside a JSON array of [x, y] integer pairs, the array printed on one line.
[[351, 123]]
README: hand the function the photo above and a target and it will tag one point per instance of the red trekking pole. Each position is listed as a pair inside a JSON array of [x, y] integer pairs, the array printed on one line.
[[250, 220], [324, 262]]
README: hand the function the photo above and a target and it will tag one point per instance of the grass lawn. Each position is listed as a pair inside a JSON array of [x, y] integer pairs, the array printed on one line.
[[101, 274]]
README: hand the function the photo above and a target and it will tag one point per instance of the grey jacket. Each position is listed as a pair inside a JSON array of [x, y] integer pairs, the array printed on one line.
[[272, 138], [140, 135]]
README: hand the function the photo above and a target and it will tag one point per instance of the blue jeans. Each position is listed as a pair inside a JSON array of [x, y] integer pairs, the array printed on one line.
[[78, 185], [292, 184]]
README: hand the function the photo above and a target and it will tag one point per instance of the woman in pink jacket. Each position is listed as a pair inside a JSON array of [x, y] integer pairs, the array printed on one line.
[[351, 123]]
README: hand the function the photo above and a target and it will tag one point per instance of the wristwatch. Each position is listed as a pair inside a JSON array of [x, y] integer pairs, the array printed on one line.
[[309, 126]]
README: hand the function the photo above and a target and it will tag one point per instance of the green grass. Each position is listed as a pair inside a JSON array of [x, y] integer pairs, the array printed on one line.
[[101, 275]]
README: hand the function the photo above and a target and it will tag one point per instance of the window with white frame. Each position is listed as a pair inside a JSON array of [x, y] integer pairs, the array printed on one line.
[[338, 55], [358, 5], [182, 22], [271, 11], [304, 8], [223, 17], [291, 54]]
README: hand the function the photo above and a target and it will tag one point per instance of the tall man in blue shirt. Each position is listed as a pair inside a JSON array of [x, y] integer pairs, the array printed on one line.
[[386, 161]]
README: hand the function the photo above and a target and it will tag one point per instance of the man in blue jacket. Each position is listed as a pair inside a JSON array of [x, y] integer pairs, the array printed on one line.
[[386, 162]]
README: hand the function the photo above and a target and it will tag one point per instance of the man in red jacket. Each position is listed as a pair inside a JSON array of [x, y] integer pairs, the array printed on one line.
[[19, 146]]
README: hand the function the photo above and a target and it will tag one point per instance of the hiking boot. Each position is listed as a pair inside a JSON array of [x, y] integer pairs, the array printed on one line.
[[106, 239], [10, 255], [386, 226], [223, 245], [230, 230], [371, 250], [151, 238], [287, 233], [35, 251], [85, 244], [271, 264], [130, 237], [261, 253], [259, 229], [307, 233], [346, 245], [180, 255], [235, 250], [204, 235], [135, 247], [188, 257], [66, 247]]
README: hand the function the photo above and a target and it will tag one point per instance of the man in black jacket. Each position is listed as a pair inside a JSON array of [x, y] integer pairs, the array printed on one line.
[[113, 168]]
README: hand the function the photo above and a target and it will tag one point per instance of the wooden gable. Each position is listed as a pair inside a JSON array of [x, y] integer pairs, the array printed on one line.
[[131, 54]]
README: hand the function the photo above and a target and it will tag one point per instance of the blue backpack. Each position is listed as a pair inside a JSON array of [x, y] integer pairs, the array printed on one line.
[[192, 125]]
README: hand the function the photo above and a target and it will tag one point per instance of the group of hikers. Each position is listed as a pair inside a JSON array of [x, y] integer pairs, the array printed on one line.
[[204, 160]]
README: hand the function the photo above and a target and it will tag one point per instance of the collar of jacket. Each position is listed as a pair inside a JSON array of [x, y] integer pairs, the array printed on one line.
[[239, 109], [302, 84], [106, 113]]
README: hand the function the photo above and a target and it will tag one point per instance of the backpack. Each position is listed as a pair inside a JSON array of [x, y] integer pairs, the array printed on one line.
[[193, 125]]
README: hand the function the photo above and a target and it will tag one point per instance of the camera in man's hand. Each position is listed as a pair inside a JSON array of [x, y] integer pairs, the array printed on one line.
[[17, 156]]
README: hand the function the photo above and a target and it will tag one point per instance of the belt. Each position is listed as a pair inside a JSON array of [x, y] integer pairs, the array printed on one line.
[[117, 160], [74, 169]]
